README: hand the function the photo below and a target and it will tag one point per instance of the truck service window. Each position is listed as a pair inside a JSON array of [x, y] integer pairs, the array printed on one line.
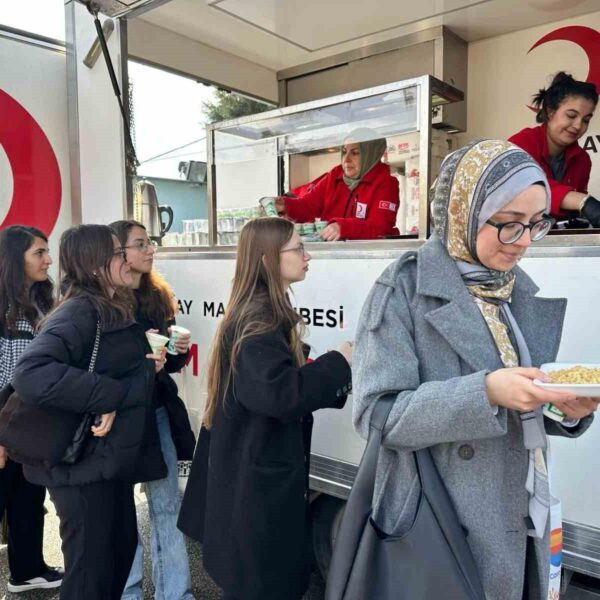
[[299, 154], [169, 117]]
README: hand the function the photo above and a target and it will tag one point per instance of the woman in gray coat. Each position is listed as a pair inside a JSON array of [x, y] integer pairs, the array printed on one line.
[[456, 330]]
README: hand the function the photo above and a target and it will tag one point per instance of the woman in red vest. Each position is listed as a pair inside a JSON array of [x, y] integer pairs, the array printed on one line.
[[358, 198], [564, 111]]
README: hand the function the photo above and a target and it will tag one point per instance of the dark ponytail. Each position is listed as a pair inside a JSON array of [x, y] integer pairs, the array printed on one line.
[[563, 85]]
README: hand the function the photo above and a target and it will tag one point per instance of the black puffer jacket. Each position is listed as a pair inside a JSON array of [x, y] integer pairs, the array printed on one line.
[[53, 372]]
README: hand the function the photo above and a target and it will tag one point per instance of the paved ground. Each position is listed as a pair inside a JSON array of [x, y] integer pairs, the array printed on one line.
[[203, 587]]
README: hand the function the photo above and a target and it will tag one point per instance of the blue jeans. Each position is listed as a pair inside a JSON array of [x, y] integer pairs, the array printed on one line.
[[170, 565]]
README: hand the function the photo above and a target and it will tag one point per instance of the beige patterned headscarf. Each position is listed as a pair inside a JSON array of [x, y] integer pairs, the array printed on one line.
[[474, 183]]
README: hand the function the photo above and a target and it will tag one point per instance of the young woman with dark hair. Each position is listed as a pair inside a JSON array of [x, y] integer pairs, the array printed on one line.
[[25, 297], [248, 504], [564, 110], [94, 496], [154, 307]]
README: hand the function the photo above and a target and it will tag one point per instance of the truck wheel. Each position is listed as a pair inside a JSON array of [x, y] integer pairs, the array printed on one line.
[[327, 513]]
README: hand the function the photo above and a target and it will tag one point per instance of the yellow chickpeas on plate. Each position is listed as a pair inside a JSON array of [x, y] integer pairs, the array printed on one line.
[[582, 379]]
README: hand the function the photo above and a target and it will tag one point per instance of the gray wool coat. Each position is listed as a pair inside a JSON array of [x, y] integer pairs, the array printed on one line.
[[422, 336]]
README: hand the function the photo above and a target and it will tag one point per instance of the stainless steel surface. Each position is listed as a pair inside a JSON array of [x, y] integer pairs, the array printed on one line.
[[211, 187], [363, 73], [581, 548], [323, 486], [73, 113], [290, 110], [377, 249], [424, 127], [148, 211], [436, 51], [451, 65], [426, 85], [319, 250], [33, 39], [332, 473], [123, 8], [404, 41]]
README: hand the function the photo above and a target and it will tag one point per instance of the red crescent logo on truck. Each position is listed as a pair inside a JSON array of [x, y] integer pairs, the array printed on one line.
[[37, 186], [586, 38]]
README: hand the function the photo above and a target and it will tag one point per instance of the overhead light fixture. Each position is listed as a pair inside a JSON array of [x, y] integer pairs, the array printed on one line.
[[121, 8]]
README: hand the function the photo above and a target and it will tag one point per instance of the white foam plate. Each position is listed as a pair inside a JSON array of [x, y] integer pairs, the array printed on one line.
[[580, 389]]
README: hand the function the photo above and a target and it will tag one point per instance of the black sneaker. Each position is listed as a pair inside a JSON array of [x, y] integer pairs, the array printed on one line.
[[52, 578]]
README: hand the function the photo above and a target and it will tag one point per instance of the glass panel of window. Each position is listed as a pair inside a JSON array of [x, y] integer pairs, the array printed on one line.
[[169, 117], [286, 153]]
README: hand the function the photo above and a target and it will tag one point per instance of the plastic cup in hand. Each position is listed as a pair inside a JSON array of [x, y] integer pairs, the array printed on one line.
[[268, 204], [308, 228], [176, 332], [320, 225], [554, 413], [157, 342]]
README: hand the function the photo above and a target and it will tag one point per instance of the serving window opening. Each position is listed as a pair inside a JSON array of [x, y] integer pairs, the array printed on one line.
[[290, 157], [169, 115]]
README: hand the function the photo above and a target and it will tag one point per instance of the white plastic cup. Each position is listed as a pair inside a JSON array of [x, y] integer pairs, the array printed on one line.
[[268, 204], [320, 225], [183, 473], [176, 332], [157, 342]]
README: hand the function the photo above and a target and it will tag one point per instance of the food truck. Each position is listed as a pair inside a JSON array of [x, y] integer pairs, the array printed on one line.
[[427, 82]]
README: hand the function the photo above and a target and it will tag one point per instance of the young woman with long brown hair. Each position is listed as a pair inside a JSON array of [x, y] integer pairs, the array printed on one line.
[[154, 306], [25, 297], [261, 395], [94, 496]]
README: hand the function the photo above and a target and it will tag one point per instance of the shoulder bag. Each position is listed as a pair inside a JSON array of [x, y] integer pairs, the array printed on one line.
[[46, 436], [432, 560]]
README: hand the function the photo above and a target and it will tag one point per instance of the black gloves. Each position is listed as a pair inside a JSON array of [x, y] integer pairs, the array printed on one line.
[[591, 211]]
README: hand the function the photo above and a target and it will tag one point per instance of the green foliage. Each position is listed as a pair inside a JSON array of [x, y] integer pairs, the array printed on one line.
[[228, 105]]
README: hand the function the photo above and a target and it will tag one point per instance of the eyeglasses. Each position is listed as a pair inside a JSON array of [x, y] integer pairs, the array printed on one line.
[[121, 252], [509, 233], [142, 245], [299, 249]]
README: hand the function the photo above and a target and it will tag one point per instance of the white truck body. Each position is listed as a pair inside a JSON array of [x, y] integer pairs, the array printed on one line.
[[502, 75]]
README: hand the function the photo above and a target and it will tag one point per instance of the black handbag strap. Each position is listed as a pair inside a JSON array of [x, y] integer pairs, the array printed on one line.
[[95, 348], [359, 508], [380, 414]]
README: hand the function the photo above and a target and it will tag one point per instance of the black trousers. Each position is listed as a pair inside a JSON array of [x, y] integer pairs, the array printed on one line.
[[98, 530], [531, 571], [24, 506]]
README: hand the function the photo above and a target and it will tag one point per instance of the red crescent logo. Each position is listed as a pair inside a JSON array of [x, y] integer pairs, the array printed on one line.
[[587, 39], [37, 187]]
